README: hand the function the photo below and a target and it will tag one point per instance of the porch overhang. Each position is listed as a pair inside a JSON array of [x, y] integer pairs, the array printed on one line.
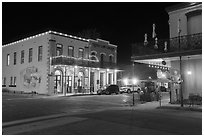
[[166, 55]]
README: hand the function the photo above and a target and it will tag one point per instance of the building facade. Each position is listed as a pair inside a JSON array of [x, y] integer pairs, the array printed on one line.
[[56, 63], [178, 60]]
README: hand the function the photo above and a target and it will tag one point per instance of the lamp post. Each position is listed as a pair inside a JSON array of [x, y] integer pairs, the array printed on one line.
[[134, 81]]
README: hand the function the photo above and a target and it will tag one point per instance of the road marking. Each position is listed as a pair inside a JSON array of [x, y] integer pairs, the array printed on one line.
[[40, 125]]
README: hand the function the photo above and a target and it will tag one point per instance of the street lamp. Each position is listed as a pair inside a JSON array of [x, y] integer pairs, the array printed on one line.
[[125, 81], [134, 82]]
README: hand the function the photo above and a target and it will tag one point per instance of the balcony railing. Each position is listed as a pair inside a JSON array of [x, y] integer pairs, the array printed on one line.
[[64, 60], [182, 44]]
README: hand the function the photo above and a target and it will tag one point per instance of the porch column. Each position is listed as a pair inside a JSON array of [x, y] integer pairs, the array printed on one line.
[[115, 76]]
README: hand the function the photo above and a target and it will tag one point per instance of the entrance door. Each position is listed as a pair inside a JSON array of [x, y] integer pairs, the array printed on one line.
[[92, 82], [69, 84]]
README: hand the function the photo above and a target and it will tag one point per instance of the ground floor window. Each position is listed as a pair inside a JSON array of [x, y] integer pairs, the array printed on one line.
[[4, 82]]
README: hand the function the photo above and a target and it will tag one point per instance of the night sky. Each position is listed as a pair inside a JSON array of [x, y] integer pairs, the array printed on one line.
[[121, 23]]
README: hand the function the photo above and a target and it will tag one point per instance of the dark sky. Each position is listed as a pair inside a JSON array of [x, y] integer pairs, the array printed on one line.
[[121, 23]]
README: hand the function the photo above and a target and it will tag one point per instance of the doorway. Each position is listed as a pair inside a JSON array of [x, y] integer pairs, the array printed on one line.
[[58, 82], [92, 82]]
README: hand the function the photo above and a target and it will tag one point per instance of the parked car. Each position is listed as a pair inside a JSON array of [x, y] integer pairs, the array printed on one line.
[[130, 89], [109, 90]]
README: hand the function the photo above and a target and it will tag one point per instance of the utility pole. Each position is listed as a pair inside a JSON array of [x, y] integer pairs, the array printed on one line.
[[133, 98], [180, 59]]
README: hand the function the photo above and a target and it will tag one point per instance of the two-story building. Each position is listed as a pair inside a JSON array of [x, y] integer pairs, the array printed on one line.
[[56, 63], [178, 60]]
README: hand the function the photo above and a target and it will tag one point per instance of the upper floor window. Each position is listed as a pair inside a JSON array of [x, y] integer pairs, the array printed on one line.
[[14, 58], [30, 55], [22, 56], [8, 59], [71, 51], [40, 53], [111, 58], [102, 57], [59, 50], [93, 55], [81, 53]]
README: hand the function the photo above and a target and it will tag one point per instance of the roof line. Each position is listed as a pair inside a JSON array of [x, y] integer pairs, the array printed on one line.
[[57, 33], [41, 34]]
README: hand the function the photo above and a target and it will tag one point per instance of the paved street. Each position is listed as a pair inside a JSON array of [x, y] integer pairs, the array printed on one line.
[[95, 115]]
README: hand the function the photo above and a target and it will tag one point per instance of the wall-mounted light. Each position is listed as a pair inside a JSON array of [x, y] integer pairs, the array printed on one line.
[[189, 72]]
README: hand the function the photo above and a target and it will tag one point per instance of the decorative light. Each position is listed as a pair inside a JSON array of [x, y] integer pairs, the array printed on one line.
[[163, 75], [107, 69]]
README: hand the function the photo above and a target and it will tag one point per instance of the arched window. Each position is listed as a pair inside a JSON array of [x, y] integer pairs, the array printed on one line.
[[111, 58], [93, 55]]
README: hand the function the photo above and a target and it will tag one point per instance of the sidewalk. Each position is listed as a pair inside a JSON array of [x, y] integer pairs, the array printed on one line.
[[166, 105]]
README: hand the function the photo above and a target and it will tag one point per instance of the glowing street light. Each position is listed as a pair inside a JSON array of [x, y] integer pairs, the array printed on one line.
[[134, 81], [125, 81]]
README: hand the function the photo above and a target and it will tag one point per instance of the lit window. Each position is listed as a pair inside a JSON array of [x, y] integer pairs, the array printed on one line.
[[40, 53], [30, 55], [8, 59]]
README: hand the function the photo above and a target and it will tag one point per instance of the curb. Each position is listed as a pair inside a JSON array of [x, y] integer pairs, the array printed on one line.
[[181, 108], [29, 120]]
